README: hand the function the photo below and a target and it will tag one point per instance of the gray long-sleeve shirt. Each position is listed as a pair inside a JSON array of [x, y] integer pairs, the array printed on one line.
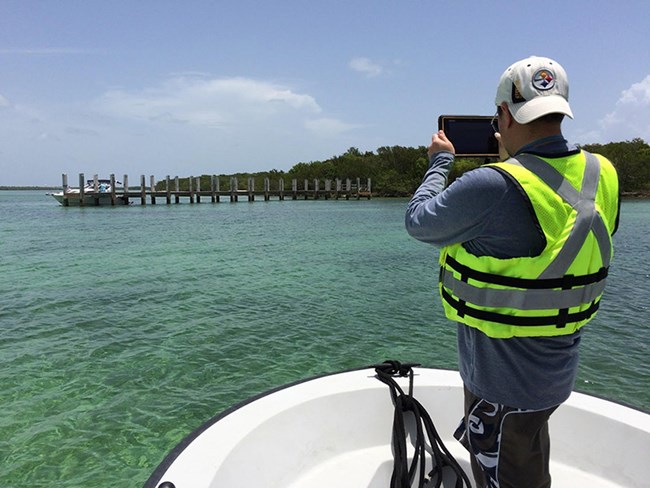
[[487, 211]]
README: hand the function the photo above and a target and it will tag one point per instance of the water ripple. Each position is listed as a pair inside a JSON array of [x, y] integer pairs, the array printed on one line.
[[124, 329]]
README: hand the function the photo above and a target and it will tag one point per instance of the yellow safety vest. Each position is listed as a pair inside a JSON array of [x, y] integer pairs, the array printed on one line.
[[575, 200]]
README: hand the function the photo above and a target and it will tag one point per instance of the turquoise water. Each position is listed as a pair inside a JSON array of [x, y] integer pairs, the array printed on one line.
[[123, 329]]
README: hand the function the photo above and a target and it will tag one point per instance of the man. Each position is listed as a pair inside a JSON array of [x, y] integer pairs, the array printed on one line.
[[526, 245]]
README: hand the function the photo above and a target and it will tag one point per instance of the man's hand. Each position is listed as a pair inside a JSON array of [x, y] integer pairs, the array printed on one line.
[[439, 142]]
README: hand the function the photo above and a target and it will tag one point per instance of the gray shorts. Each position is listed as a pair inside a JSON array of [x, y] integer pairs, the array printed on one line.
[[509, 446]]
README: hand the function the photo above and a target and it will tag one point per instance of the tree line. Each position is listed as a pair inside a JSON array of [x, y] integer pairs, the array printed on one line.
[[397, 171], [632, 162]]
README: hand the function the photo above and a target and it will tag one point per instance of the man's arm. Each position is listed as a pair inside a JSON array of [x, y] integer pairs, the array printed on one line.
[[438, 217], [461, 212]]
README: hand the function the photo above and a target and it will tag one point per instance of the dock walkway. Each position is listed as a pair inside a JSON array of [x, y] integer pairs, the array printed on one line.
[[169, 191]]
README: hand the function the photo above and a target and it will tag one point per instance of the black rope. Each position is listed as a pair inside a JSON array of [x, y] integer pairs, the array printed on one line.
[[403, 473]]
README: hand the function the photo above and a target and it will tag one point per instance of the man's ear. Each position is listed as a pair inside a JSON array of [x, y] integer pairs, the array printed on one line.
[[507, 116]]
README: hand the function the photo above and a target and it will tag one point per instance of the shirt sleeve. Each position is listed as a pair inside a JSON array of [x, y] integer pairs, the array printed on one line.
[[458, 213]]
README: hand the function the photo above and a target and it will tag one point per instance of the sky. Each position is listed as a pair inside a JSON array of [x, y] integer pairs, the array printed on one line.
[[191, 87]]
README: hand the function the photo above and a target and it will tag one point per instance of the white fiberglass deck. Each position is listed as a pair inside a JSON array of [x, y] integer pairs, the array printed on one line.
[[336, 431]]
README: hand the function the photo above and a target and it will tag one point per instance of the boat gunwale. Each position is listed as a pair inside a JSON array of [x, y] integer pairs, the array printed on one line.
[[156, 477]]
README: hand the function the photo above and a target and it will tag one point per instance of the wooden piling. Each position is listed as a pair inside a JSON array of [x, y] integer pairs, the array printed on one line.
[[113, 197], [96, 190], [64, 182], [143, 191], [233, 189], [125, 182], [267, 189], [251, 189], [152, 189], [82, 184], [214, 189], [294, 189]]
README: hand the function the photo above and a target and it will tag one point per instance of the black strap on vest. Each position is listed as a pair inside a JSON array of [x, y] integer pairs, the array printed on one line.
[[405, 404], [565, 282]]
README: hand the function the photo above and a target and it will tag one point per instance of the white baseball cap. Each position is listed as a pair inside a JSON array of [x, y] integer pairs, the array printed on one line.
[[534, 87]]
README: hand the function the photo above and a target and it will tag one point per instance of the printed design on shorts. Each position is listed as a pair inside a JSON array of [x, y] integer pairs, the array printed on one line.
[[544, 79], [483, 436]]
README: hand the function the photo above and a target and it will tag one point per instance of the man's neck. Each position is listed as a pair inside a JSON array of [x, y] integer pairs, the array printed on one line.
[[530, 134], [545, 144]]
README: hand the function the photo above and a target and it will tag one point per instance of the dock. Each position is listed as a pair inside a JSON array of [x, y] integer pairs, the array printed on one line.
[[169, 190]]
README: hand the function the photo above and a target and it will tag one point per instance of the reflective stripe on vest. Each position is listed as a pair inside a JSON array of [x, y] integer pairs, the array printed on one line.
[[554, 298], [584, 203]]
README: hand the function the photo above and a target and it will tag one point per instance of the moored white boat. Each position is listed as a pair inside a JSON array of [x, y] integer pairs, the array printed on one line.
[[336, 431], [95, 192]]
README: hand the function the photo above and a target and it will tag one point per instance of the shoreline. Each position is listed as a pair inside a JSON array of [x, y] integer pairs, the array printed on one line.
[[635, 195], [628, 195], [29, 188]]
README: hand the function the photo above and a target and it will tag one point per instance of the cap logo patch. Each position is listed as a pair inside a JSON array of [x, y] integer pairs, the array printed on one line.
[[544, 79]]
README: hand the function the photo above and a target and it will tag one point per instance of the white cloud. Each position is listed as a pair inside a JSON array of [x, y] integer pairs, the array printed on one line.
[[637, 93], [4, 103], [81, 131], [328, 127], [365, 66], [188, 123], [629, 119], [208, 102], [44, 136]]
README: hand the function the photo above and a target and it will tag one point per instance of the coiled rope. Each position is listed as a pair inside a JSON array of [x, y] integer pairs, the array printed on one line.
[[405, 404]]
